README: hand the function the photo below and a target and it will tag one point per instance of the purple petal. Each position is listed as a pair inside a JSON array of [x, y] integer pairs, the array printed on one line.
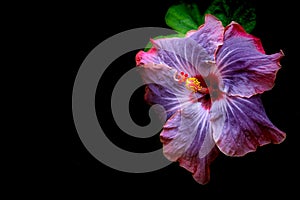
[[182, 54], [156, 94], [240, 125], [191, 54], [245, 69], [187, 138], [199, 167], [209, 35], [163, 89]]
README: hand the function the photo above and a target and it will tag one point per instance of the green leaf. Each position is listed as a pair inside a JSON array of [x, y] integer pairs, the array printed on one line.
[[183, 17], [195, 14], [241, 11], [149, 45]]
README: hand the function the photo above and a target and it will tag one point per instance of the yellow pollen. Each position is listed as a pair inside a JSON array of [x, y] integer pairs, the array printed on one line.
[[193, 84]]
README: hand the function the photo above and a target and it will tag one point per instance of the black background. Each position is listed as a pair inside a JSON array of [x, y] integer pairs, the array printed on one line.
[[271, 170]]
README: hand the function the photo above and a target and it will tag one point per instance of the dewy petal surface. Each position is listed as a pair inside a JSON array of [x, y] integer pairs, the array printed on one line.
[[245, 68], [240, 125]]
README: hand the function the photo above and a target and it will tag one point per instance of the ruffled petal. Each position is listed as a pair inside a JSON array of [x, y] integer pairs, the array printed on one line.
[[240, 125], [182, 54], [150, 56], [209, 35], [187, 138], [192, 54], [199, 167], [245, 69]]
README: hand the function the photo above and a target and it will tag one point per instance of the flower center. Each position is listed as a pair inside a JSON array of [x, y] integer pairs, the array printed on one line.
[[193, 84]]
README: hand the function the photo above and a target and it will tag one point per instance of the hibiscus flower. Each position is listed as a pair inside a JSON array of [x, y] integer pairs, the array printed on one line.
[[209, 83]]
